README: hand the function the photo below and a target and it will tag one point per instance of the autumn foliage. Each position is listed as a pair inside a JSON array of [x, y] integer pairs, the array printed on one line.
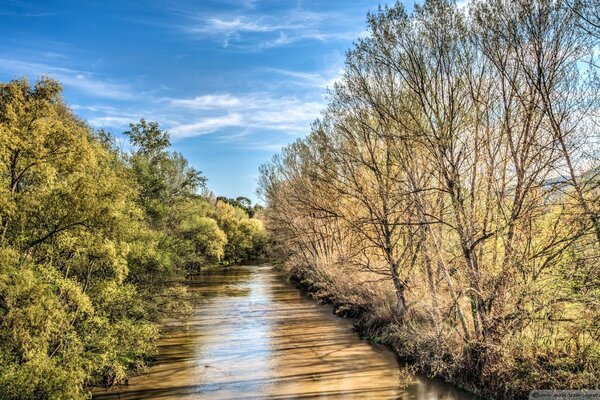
[[450, 193]]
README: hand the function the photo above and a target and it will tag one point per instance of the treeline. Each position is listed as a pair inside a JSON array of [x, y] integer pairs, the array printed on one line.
[[450, 193], [244, 203], [94, 244]]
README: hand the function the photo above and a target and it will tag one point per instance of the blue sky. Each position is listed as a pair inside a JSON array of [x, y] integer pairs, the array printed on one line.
[[232, 81]]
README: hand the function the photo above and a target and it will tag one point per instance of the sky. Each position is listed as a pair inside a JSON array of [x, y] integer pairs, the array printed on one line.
[[232, 81]]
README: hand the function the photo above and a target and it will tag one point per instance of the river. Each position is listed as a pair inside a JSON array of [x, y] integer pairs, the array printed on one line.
[[253, 336]]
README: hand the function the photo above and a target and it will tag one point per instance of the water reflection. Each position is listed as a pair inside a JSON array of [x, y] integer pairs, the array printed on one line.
[[252, 336]]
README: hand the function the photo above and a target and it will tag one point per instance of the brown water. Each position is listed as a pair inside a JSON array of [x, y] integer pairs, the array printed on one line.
[[252, 336]]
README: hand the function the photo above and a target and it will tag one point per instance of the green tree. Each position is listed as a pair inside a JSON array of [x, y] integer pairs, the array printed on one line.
[[164, 177], [67, 214]]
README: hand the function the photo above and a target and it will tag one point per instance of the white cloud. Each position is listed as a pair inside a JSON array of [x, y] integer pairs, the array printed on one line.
[[264, 146], [207, 101], [111, 121], [292, 20], [235, 119], [236, 24], [294, 37], [205, 126], [290, 114], [103, 116], [236, 137], [323, 80], [261, 31], [78, 80], [256, 111], [54, 56], [93, 86]]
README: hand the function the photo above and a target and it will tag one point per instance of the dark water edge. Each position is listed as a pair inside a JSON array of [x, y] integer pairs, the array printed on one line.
[[254, 336]]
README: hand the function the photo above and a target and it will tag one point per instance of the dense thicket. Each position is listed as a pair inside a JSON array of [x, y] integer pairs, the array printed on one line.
[[451, 192], [93, 243]]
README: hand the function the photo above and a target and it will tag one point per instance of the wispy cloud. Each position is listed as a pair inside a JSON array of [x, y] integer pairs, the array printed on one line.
[[104, 116], [25, 14], [239, 119], [321, 80], [286, 38], [290, 114], [50, 55], [292, 20], [205, 126], [237, 24], [260, 31], [206, 101], [264, 146], [255, 111], [112, 121], [71, 78]]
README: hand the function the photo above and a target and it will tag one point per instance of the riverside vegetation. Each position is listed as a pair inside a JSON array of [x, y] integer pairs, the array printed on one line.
[[450, 193], [94, 243]]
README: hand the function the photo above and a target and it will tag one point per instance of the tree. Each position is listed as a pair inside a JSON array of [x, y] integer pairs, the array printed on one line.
[[164, 178]]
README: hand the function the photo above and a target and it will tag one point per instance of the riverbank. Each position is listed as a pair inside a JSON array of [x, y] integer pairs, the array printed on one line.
[[384, 329]]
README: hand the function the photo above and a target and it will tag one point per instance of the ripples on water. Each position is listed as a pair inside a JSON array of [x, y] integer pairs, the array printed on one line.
[[252, 336]]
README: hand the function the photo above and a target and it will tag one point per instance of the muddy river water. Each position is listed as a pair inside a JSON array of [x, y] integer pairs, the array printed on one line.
[[253, 336]]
